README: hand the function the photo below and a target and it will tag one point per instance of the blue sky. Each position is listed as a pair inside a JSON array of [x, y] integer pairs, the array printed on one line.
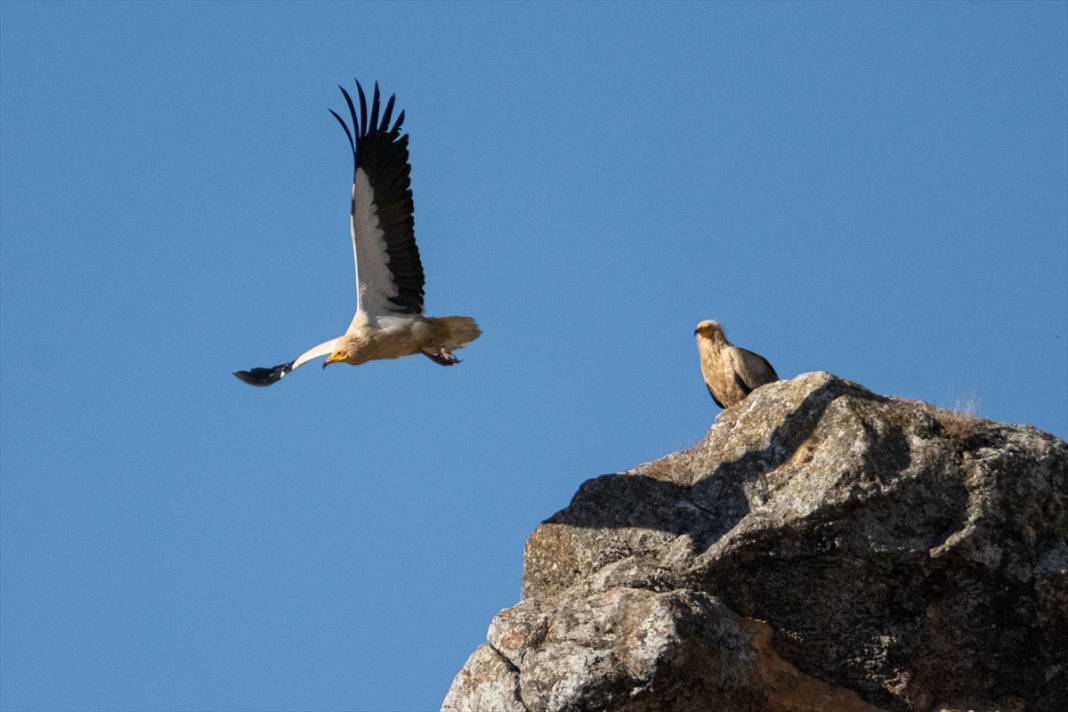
[[877, 190]]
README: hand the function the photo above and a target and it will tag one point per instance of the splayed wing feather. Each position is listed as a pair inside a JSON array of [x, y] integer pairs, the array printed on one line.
[[352, 113], [374, 109], [388, 112], [346, 128], [363, 106]]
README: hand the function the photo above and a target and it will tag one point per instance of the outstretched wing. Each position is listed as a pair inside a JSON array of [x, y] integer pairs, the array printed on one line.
[[267, 376], [389, 273]]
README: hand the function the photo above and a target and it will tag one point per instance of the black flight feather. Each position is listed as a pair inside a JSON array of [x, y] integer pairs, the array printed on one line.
[[363, 106], [352, 113], [388, 113], [346, 128], [374, 110]]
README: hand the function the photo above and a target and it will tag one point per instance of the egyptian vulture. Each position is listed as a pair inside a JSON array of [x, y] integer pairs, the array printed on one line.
[[730, 373], [389, 321]]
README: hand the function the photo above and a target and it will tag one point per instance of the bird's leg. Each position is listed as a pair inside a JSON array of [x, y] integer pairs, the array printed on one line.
[[442, 357]]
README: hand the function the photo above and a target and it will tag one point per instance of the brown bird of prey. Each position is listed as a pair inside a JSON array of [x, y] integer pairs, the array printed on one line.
[[389, 321], [730, 373]]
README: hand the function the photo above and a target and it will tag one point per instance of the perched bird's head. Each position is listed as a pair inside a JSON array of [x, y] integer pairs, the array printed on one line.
[[708, 329]]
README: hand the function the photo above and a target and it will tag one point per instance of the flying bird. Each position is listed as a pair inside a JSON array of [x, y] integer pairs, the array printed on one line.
[[730, 373], [389, 321]]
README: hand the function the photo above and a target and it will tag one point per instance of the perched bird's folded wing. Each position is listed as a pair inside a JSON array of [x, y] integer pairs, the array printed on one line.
[[267, 376], [389, 273], [752, 370], [713, 394]]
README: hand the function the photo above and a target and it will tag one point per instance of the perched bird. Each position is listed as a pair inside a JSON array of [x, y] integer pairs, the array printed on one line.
[[730, 373], [389, 274]]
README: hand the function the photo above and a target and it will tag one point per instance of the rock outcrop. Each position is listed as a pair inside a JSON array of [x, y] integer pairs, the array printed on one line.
[[823, 548]]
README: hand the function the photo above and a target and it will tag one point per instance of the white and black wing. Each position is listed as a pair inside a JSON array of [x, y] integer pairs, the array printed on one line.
[[267, 376], [389, 273]]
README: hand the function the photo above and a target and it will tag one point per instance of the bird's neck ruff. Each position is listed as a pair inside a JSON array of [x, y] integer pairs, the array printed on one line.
[[716, 341]]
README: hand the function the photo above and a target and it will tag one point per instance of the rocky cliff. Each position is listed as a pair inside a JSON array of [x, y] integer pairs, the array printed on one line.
[[823, 548]]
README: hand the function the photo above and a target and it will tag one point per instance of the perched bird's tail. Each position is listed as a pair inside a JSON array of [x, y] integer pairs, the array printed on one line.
[[458, 331]]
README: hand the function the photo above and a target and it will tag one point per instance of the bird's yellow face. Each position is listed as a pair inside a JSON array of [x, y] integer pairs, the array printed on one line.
[[707, 328], [336, 357]]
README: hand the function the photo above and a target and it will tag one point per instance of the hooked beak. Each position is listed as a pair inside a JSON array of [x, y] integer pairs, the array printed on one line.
[[333, 358]]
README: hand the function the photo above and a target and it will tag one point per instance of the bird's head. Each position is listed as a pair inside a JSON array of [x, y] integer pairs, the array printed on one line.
[[708, 329], [335, 358]]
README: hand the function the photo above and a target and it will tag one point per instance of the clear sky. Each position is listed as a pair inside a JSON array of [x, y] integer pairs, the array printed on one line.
[[876, 190]]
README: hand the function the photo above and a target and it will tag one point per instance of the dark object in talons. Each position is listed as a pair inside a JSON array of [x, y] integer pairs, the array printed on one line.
[[264, 376], [442, 357]]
